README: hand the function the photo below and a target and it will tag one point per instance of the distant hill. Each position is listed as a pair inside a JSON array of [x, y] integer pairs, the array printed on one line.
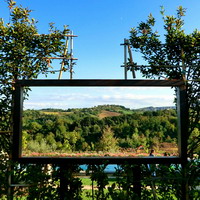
[[151, 108], [105, 128], [102, 111]]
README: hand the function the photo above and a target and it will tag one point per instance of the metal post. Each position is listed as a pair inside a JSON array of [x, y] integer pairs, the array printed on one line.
[[137, 178], [71, 55], [10, 188], [71, 45], [131, 59], [64, 54], [183, 111], [125, 58], [63, 183], [71, 69], [182, 108], [92, 184]]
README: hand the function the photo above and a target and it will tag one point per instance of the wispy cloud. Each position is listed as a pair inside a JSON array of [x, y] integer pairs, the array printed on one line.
[[83, 97]]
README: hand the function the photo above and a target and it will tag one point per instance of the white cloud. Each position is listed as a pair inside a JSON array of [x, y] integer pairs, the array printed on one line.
[[89, 97]]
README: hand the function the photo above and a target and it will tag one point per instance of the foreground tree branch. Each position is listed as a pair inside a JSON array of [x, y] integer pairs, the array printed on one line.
[[179, 50]]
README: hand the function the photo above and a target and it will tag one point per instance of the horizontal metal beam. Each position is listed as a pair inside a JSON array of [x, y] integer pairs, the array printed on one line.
[[100, 82], [101, 160]]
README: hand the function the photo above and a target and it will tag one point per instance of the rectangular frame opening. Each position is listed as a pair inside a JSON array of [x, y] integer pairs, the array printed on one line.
[[18, 112]]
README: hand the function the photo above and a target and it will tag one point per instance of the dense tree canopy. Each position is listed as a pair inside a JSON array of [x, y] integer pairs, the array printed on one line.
[[80, 130], [22, 53], [177, 56]]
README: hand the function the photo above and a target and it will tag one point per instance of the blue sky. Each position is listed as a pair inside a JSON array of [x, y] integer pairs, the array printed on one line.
[[101, 26], [84, 97]]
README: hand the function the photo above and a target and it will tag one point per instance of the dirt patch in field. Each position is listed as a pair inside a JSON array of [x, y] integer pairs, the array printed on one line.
[[106, 113]]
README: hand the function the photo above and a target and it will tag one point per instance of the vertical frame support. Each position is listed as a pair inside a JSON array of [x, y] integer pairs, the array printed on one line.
[[183, 123], [125, 59], [63, 182], [71, 55], [17, 123], [182, 109], [64, 54], [137, 177], [128, 59], [10, 188]]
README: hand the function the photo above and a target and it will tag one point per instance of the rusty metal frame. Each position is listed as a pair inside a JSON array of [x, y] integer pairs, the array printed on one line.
[[181, 109]]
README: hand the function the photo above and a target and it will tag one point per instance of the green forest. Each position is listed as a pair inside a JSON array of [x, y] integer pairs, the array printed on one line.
[[100, 129]]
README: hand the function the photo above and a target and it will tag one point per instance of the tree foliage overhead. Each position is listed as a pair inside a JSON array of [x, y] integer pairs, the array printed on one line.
[[175, 57], [22, 53], [178, 49]]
